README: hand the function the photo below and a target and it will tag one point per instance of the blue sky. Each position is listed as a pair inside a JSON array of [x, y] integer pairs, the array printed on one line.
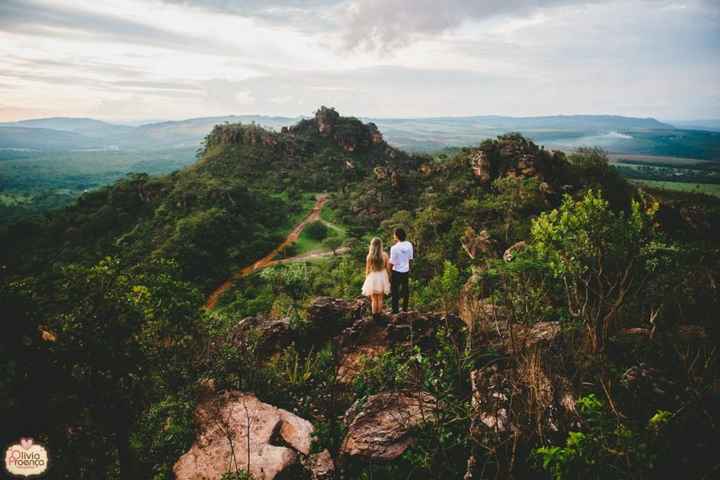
[[137, 59]]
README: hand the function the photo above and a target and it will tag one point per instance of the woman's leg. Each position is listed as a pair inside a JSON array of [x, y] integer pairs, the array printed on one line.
[[373, 303], [380, 299]]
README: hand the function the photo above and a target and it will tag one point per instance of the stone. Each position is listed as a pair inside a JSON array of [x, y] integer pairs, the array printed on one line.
[[273, 334], [271, 438], [321, 466], [379, 429], [329, 316]]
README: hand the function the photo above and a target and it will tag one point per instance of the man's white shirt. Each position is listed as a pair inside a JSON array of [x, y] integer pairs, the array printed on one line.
[[400, 255]]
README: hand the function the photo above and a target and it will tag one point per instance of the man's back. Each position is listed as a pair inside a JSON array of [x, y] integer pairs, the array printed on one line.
[[400, 255]]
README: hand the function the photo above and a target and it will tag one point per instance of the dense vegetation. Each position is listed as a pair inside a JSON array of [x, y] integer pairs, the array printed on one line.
[[108, 344]]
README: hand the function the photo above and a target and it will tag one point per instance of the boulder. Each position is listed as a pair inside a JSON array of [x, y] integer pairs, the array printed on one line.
[[272, 334], [379, 429], [329, 316], [234, 428]]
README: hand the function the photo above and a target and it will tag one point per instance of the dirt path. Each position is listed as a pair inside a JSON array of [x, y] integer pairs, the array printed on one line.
[[267, 260]]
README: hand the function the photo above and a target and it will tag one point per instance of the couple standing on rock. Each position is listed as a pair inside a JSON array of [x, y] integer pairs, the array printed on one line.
[[377, 265]]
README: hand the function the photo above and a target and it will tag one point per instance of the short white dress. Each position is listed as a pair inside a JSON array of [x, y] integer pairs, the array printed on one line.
[[376, 282]]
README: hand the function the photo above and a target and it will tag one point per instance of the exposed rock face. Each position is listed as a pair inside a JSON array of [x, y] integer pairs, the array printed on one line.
[[514, 250], [380, 428], [536, 385], [367, 339], [476, 243], [326, 119], [491, 393], [480, 164], [321, 466], [252, 427], [239, 134]]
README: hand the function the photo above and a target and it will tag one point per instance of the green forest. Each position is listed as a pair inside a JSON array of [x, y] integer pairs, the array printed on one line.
[[563, 320]]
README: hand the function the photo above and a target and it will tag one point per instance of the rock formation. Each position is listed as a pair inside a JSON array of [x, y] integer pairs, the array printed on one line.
[[236, 429], [379, 428]]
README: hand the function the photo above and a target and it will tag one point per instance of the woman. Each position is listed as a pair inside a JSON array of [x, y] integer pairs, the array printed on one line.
[[377, 282]]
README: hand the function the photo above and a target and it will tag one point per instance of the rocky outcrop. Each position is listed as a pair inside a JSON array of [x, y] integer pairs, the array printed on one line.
[[367, 338], [535, 384], [237, 432], [326, 119], [476, 243], [379, 429], [491, 401], [480, 165]]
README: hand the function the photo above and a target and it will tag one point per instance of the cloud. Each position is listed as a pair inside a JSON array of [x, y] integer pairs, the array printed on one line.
[[37, 18], [301, 15], [388, 24]]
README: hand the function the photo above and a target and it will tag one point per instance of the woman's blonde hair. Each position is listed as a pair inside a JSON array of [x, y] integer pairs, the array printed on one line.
[[375, 254]]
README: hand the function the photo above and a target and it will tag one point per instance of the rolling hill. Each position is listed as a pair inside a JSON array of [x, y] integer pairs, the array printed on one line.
[[640, 136]]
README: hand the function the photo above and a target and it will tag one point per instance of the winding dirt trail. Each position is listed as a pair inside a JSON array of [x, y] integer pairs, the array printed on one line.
[[267, 260]]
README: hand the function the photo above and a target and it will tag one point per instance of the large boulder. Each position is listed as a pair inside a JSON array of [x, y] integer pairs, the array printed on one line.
[[235, 428], [272, 334], [329, 316], [379, 429]]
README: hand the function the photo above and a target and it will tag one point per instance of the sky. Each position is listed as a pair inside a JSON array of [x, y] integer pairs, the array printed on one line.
[[127, 60]]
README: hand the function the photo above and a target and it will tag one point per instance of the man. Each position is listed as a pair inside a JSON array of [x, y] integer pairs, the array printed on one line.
[[400, 255]]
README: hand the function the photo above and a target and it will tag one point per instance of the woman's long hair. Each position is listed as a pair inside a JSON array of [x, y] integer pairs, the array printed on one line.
[[375, 254]]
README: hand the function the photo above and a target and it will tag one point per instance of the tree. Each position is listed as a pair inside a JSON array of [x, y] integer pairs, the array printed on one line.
[[603, 258], [332, 243], [291, 280], [123, 337], [316, 230]]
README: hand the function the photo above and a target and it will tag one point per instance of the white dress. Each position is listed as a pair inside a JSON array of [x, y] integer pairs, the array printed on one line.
[[376, 282]]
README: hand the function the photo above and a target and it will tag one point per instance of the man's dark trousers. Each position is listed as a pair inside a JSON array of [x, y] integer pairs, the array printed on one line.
[[400, 288]]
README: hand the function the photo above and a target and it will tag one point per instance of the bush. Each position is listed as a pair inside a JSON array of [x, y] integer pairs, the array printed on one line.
[[607, 448], [316, 231]]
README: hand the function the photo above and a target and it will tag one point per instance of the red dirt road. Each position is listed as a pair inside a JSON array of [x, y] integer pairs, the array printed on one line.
[[267, 259]]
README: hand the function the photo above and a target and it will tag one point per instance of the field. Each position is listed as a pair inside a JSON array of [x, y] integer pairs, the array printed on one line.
[[706, 188]]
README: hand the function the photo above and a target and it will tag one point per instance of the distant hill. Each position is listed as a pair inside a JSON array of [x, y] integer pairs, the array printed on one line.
[[712, 124], [35, 138], [565, 122], [617, 134], [84, 126]]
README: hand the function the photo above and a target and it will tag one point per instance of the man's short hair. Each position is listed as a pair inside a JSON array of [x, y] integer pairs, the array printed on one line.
[[400, 234]]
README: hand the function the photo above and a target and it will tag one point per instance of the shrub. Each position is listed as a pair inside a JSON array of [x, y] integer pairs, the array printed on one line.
[[603, 258], [607, 448], [316, 231]]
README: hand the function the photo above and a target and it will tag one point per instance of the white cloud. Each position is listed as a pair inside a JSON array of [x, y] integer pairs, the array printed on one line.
[[183, 58]]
